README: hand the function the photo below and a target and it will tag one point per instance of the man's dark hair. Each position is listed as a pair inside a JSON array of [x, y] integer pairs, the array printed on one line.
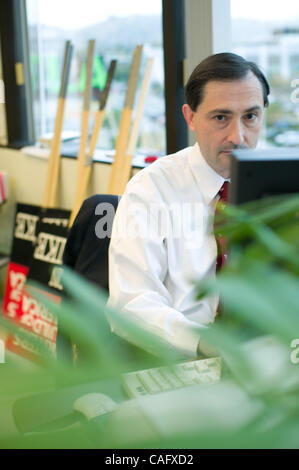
[[222, 67]]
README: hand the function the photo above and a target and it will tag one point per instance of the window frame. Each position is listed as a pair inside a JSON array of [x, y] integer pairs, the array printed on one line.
[[173, 12], [16, 73]]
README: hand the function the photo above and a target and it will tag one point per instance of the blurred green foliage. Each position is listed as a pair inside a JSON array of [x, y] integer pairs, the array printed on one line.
[[255, 405]]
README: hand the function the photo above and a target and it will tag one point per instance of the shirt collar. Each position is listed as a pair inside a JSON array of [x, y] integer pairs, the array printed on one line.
[[208, 180]]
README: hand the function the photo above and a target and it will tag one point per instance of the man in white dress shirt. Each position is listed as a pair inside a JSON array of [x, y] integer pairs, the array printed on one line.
[[162, 237]]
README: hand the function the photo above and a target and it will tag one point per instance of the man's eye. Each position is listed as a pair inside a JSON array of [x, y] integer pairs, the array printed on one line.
[[220, 118], [251, 116]]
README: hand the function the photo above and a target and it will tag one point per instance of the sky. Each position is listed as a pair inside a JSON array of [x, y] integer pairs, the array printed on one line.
[[266, 10], [71, 14]]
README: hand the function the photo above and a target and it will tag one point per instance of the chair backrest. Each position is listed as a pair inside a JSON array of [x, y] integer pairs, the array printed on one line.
[[87, 246], [86, 252]]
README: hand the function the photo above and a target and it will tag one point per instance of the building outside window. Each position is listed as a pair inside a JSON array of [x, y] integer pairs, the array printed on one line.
[[267, 32]]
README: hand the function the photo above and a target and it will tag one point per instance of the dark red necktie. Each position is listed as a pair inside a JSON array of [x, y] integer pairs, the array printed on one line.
[[221, 242]]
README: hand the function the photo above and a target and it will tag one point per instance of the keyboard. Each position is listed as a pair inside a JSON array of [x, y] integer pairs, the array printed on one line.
[[166, 378]]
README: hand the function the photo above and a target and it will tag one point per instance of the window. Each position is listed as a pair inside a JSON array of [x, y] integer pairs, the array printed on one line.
[[117, 27], [268, 33]]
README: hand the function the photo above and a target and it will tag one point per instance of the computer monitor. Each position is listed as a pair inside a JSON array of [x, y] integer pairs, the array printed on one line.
[[256, 174]]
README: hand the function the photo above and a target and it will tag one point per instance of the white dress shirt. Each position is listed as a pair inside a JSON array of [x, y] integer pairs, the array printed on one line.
[[162, 241]]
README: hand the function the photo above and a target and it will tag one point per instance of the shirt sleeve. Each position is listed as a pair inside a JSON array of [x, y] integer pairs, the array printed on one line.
[[137, 270]]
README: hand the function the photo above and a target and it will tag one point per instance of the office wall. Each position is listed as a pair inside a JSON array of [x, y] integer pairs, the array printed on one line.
[[27, 175]]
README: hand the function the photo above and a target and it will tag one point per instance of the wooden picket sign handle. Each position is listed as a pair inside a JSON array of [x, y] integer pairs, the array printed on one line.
[[115, 180], [85, 111], [84, 126], [49, 197], [86, 170], [127, 162], [100, 113]]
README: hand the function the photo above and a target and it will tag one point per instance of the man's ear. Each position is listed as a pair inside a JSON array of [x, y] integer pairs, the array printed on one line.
[[189, 116]]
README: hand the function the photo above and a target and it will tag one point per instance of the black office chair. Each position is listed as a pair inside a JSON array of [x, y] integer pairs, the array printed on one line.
[[86, 251]]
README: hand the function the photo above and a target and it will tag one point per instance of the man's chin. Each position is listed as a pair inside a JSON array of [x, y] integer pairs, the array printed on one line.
[[224, 163]]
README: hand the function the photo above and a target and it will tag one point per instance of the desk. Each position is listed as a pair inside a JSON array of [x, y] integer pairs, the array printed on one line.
[[132, 421], [55, 408]]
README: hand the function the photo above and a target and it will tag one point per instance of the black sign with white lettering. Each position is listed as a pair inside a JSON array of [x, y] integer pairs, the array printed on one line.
[[26, 228], [46, 265]]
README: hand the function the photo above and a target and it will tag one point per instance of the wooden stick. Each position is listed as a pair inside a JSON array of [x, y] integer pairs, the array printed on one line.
[[100, 113], [49, 197], [86, 107], [127, 162], [84, 124], [124, 128], [93, 141]]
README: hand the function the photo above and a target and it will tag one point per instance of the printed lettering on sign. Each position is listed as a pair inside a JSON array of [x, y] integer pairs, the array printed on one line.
[[26, 349], [16, 278], [55, 280], [49, 248], [37, 319], [26, 226], [58, 222], [30, 305], [33, 307]]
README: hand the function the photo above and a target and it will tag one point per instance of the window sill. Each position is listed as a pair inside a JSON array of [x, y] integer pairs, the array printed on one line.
[[70, 150]]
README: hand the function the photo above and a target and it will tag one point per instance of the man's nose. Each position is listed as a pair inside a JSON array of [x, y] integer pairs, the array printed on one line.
[[236, 134]]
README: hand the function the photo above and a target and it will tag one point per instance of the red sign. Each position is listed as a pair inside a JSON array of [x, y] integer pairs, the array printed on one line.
[[28, 313]]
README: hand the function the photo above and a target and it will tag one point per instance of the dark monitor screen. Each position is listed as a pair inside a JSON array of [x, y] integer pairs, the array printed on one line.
[[256, 174]]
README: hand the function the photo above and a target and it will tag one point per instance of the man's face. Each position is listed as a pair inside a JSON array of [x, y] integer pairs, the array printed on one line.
[[230, 116]]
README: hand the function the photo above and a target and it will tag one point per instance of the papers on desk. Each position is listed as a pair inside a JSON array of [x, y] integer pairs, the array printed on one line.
[[3, 187]]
